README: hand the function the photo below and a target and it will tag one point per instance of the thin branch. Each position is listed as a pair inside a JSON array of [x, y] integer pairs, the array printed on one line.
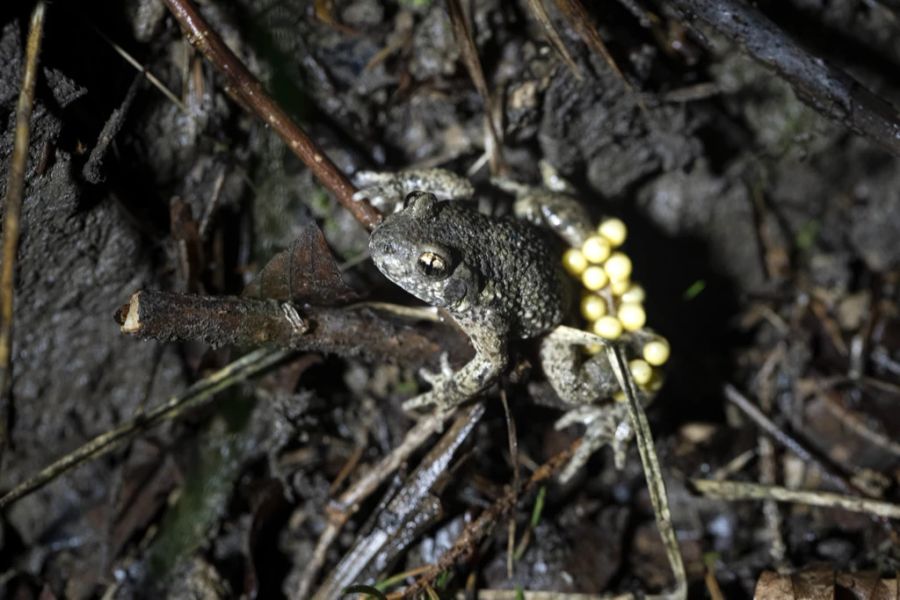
[[248, 89], [478, 529], [197, 395], [247, 322], [656, 485], [784, 439], [857, 423], [496, 594], [143, 70], [740, 490], [340, 510], [827, 89], [580, 19], [463, 35], [513, 441], [405, 507], [539, 11], [15, 190]]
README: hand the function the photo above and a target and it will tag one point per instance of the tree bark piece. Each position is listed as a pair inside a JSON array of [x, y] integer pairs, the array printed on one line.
[[829, 90]]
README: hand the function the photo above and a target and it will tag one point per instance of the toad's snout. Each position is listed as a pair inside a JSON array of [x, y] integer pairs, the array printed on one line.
[[381, 245]]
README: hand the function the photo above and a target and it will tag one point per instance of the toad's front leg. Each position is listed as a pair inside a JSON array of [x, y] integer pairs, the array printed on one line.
[[449, 389]]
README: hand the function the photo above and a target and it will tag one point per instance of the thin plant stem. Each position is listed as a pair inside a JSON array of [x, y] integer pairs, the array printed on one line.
[[198, 394], [15, 190]]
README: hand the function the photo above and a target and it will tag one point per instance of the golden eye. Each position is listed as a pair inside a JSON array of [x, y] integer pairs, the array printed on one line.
[[433, 264]]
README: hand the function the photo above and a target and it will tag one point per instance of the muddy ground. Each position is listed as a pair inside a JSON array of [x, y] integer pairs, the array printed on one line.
[[764, 224]]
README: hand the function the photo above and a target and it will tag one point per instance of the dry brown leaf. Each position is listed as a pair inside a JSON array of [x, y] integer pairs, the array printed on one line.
[[306, 272]]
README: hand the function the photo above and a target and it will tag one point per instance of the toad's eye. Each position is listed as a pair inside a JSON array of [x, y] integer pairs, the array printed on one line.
[[433, 265]]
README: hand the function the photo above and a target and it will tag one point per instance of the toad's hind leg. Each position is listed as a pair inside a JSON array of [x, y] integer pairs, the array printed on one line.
[[387, 190], [587, 385], [551, 206], [575, 378], [603, 425]]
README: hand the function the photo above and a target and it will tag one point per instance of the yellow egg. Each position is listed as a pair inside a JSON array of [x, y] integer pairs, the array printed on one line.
[[596, 249], [594, 278], [641, 371], [656, 382], [656, 352], [574, 261], [619, 396], [634, 293], [618, 266], [613, 230], [632, 316], [593, 349], [593, 307], [619, 287], [608, 327]]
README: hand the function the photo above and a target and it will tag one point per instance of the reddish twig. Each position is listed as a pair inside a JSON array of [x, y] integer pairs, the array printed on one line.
[[15, 190], [247, 88]]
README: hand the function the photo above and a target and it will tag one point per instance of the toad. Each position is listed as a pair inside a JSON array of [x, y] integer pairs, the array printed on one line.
[[504, 279]]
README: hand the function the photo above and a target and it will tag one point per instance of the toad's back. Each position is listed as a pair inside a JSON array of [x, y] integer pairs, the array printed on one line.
[[518, 265]]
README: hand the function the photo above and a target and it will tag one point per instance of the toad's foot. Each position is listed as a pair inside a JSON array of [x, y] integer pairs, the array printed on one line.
[[387, 191], [441, 394], [607, 424], [383, 190], [440, 378], [449, 389], [436, 397]]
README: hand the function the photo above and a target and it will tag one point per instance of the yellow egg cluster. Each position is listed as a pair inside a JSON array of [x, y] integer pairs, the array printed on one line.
[[612, 304]]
